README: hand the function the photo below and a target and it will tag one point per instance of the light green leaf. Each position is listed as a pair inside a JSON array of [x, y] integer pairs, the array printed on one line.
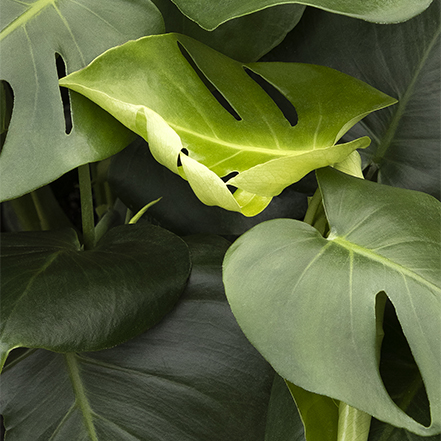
[[136, 178], [58, 297], [37, 149], [308, 303], [193, 377], [189, 131], [211, 13], [403, 381], [401, 60], [319, 414]]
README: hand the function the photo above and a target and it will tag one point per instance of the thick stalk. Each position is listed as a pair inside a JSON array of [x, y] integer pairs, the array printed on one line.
[[87, 213], [353, 424], [49, 211], [27, 215], [313, 206]]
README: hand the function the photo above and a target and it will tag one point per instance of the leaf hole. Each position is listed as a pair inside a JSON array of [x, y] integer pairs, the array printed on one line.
[[64, 92], [229, 176], [185, 152], [6, 109], [283, 103], [399, 371], [209, 85]]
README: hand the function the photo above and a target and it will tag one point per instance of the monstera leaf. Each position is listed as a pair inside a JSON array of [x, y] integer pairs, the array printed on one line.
[[402, 60], [309, 303], [59, 297], [165, 100], [37, 149], [136, 178], [211, 13], [246, 38]]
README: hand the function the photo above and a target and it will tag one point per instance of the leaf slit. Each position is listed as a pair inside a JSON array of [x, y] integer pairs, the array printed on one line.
[[209, 85], [280, 100], [6, 109], [185, 152], [399, 370], [65, 94]]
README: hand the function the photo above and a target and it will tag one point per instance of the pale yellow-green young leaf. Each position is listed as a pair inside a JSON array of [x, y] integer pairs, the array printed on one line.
[[161, 88]]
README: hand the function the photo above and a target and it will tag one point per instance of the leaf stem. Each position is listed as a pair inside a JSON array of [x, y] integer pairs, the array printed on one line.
[[27, 215], [353, 424], [48, 209], [313, 206], [87, 213]]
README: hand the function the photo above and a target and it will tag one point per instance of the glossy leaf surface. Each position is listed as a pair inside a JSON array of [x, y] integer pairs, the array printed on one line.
[[37, 149], [402, 60], [246, 38], [58, 297], [194, 376], [211, 13], [308, 303], [165, 101]]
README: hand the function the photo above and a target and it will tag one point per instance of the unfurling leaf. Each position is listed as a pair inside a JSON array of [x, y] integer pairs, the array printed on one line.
[[169, 98]]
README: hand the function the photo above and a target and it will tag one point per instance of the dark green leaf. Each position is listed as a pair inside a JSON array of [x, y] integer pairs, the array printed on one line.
[[402, 60], [211, 13], [283, 421], [37, 149], [58, 297], [308, 303], [246, 38], [193, 377]]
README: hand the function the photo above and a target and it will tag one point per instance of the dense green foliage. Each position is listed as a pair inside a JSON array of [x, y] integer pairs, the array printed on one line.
[[239, 270]]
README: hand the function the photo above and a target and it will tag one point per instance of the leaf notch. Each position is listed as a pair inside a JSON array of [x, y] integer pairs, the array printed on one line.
[[217, 94]]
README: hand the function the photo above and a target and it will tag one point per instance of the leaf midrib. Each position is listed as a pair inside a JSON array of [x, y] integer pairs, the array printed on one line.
[[80, 395], [27, 16], [365, 252], [241, 147], [402, 103]]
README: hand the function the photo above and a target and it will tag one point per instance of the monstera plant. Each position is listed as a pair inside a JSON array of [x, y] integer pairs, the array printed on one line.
[[220, 220]]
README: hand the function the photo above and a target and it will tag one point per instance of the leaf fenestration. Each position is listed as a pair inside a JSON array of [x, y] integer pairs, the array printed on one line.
[[37, 149], [308, 303], [165, 101]]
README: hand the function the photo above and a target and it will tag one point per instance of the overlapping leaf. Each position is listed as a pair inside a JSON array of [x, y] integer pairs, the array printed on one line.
[[188, 130], [58, 297], [246, 38], [211, 13], [308, 303], [37, 149], [402, 60], [136, 178], [194, 377], [283, 421]]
